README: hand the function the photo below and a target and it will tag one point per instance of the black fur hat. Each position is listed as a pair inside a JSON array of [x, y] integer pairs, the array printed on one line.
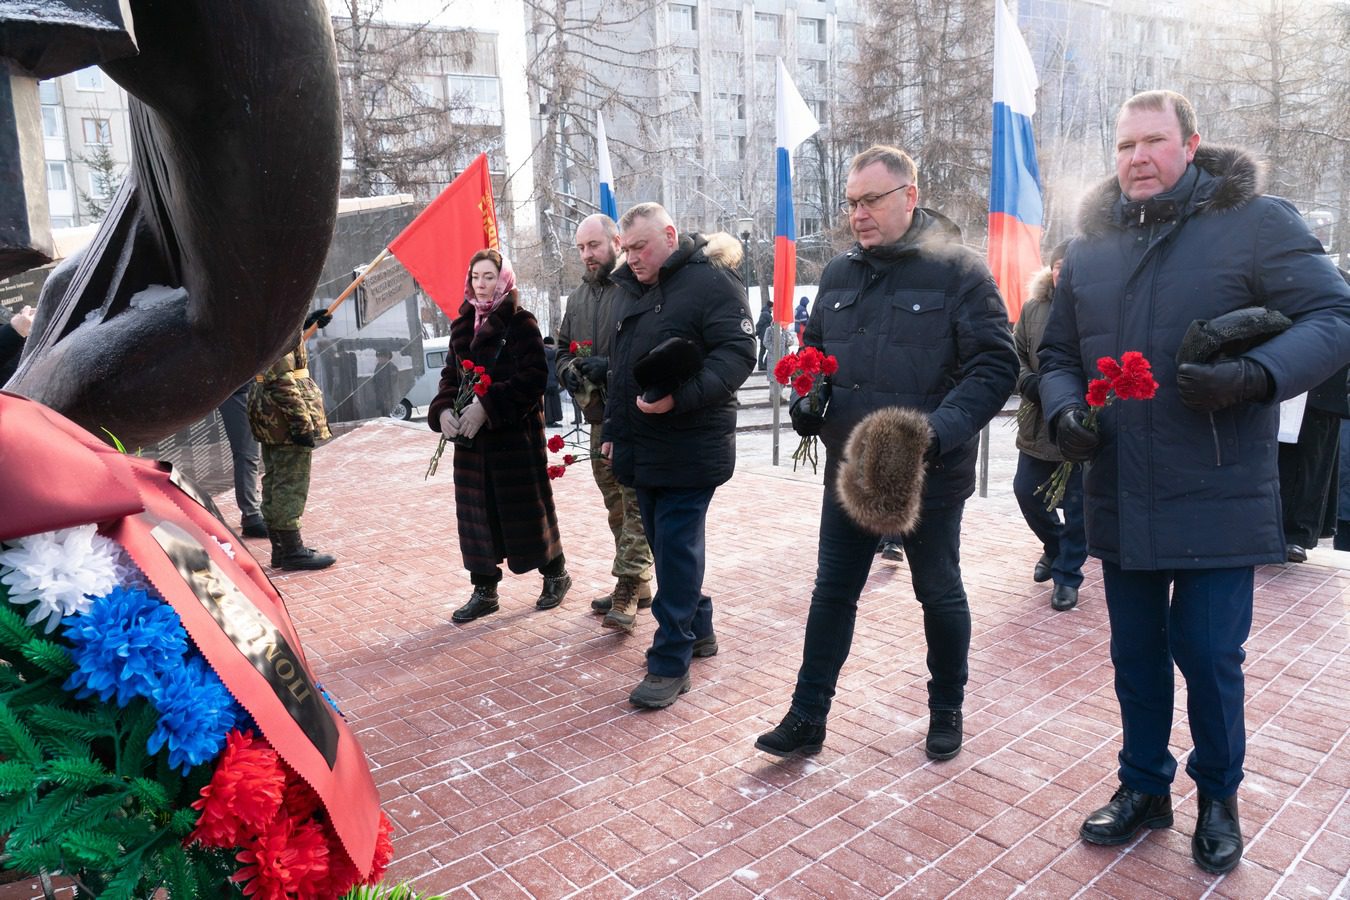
[[667, 366], [1231, 334], [881, 478]]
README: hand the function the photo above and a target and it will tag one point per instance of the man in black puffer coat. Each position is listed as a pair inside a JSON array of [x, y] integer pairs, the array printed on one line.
[[1182, 491], [675, 449], [915, 321]]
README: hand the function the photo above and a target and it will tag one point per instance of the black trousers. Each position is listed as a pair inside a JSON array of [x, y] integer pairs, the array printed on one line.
[[1308, 476]]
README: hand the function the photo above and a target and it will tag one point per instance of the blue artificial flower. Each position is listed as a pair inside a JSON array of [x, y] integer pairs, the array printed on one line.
[[331, 702], [123, 644], [195, 714]]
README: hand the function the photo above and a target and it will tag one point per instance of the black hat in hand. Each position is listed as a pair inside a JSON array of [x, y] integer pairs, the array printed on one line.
[[1231, 334], [667, 366]]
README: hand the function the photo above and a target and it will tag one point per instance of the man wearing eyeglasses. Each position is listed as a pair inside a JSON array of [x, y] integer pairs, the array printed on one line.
[[916, 321]]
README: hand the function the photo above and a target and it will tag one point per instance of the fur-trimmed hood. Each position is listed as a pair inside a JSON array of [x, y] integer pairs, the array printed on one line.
[[1041, 286], [1235, 178]]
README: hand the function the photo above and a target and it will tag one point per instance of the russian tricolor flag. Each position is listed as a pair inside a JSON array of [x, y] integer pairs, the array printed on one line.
[[1015, 212], [795, 124], [607, 204]]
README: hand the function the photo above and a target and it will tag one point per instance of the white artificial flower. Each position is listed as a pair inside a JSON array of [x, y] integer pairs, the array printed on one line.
[[62, 572], [224, 545]]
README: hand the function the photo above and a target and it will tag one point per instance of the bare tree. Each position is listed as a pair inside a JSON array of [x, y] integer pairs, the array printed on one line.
[[406, 126]]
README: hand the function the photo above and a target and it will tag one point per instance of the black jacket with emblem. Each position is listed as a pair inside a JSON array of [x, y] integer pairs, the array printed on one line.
[[698, 295], [1171, 488], [919, 324], [1033, 435]]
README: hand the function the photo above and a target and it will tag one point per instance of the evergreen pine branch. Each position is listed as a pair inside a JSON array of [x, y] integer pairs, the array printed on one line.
[[140, 719], [16, 741], [90, 849], [16, 777], [183, 821], [175, 874], [96, 810], [82, 773], [36, 857], [13, 632], [42, 824], [12, 809], [150, 794], [124, 884], [49, 656], [73, 722]]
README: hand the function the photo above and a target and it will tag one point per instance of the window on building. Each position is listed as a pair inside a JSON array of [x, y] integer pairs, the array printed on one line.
[[90, 79], [96, 131], [686, 61], [48, 93], [817, 108], [51, 121], [811, 31], [726, 22], [846, 36], [808, 225], [56, 177], [729, 107], [813, 70], [480, 90], [683, 18], [730, 147], [766, 73], [768, 27]]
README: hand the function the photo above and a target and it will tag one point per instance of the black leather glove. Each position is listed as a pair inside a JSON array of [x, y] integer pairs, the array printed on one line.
[[1031, 388], [805, 422], [1076, 442], [320, 317], [303, 438], [593, 368], [569, 378], [933, 450], [1209, 387]]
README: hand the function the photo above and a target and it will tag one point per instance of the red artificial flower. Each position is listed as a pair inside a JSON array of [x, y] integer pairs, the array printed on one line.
[[1099, 392], [243, 794], [802, 385], [480, 370], [467, 364], [1108, 367], [829, 365], [810, 360], [299, 801], [568, 459], [782, 372], [485, 380], [556, 472], [288, 860], [480, 389], [556, 443]]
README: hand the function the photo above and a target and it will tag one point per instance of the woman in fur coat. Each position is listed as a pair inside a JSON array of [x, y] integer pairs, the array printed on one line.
[[503, 501]]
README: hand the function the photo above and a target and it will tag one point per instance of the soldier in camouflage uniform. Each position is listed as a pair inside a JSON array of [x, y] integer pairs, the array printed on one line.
[[285, 411]]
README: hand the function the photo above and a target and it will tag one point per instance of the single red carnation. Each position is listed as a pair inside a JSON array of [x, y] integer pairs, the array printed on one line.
[[802, 384], [568, 459], [480, 389], [1108, 366], [299, 800], [467, 364], [586, 343], [485, 380], [829, 365], [810, 359], [1135, 381], [479, 370], [556, 472], [573, 347], [244, 793], [288, 860], [782, 372], [1099, 391], [556, 443]]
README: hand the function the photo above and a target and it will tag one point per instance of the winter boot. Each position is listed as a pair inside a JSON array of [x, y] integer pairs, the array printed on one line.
[[555, 588], [289, 552], [601, 605], [623, 609]]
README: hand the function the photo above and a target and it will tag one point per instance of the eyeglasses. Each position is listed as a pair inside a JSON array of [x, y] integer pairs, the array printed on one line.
[[868, 202]]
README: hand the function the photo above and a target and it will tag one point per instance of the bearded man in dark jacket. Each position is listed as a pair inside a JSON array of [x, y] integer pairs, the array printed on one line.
[[915, 321], [1182, 491], [675, 443]]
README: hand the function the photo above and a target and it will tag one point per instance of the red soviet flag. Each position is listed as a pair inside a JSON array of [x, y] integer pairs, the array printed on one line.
[[437, 245]]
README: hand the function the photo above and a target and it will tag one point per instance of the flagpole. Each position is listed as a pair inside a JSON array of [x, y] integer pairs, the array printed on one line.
[[332, 307]]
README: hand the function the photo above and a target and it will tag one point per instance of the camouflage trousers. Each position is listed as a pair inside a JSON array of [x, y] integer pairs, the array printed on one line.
[[632, 556], [285, 485]]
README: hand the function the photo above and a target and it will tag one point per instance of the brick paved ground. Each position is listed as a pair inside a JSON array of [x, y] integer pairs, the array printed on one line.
[[513, 766]]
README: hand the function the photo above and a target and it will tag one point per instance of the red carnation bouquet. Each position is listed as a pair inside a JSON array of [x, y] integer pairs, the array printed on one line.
[[473, 383], [1129, 379], [806, 371], [556, 444]]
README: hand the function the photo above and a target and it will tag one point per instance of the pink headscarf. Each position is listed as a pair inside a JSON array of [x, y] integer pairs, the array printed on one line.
[[506, 282]]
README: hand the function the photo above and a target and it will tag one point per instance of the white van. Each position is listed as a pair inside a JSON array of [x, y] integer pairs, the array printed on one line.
[[423, 391]]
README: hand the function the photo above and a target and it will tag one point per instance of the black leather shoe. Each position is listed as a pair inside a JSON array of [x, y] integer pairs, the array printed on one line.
[[1216, 845], [555, 588], [1041, 573], [706, 646], [793, 735], [483, 602], [1064, 597], [1121, 819], [1295, 554], [944, 734], [893, 552], [253, 528]]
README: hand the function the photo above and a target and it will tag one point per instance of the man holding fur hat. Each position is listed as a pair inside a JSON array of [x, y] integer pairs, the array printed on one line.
[[1182, 491], [683, 343], [926, 359]]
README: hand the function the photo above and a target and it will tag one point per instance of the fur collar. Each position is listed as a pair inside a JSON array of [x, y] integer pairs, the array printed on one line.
[[1236, 178], [1042, 286]]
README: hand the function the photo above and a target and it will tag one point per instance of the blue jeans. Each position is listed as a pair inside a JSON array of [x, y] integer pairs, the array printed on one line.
[[1064, 542], [674, 519], [1202, 627], [844, 558]]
